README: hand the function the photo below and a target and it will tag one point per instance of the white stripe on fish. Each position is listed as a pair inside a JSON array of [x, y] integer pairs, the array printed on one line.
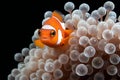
[[59, 37], [48, 27]]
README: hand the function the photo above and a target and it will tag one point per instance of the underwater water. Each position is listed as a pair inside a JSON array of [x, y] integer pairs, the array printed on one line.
[[92, 52]]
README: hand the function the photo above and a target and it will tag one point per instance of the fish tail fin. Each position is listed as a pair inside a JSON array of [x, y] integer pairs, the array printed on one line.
[[39, 43]]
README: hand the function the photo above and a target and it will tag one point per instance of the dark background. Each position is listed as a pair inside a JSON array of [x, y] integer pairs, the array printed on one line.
[[21, 18]]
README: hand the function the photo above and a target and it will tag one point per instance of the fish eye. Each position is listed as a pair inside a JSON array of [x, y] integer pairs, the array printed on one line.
[[39, 32], [52, 33]]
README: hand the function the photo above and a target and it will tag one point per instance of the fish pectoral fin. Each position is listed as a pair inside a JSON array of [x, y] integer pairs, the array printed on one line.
[[39, 43], [64, 41], [67, 33]]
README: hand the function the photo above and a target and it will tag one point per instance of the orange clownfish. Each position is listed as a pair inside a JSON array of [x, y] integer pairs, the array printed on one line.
[[53, 32]]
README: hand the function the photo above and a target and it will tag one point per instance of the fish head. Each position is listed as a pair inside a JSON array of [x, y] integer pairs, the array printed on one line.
[[48, 35]]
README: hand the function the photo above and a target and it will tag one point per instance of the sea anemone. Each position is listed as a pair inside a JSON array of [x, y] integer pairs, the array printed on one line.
[[92, 52]]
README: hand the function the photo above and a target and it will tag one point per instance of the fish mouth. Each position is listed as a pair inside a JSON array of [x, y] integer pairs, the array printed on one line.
[[44, 38]]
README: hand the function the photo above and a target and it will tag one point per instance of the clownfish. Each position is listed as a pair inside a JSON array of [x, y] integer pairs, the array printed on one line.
[[53, 32]]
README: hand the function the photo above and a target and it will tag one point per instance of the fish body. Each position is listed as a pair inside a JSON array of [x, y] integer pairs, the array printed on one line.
[[53, 32]]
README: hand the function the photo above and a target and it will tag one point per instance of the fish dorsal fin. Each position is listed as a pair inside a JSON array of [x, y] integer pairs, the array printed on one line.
[[58, 15]]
